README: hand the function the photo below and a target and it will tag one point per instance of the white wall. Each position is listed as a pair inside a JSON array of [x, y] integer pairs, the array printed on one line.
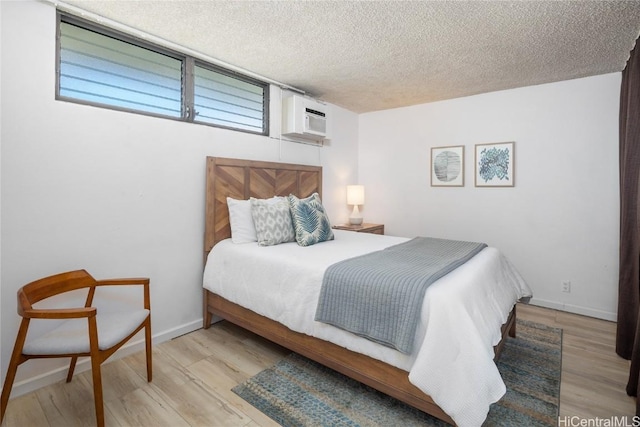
[[118, 194], [1, 182], [560, 221]]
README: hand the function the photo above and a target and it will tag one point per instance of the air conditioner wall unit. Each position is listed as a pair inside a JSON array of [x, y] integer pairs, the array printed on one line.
[[304, 118]]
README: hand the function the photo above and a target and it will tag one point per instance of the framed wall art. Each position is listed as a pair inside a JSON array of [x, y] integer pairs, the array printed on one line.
[[447, 166], [495, 165]]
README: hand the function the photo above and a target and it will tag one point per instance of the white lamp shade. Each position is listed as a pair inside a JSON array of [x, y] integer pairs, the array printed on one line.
[[355, 194]]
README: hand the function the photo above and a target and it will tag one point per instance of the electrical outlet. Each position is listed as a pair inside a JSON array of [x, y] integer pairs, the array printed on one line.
[[566, 286]]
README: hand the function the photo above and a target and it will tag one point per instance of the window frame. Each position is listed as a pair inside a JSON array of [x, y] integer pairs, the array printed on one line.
[[187, 84], [229, 73]]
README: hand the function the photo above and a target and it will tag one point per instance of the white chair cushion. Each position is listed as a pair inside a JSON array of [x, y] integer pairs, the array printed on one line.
[[72, 336]]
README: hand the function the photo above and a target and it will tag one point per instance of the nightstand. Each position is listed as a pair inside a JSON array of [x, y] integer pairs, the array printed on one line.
[[363, 228]]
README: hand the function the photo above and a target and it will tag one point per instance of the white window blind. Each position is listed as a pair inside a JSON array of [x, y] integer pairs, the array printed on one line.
[[99, 69], [227, 101]]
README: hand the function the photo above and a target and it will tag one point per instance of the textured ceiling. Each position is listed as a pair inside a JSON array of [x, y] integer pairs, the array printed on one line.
[[367, 56]]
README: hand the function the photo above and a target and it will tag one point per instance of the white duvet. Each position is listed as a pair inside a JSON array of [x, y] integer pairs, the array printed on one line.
[[460, 322]]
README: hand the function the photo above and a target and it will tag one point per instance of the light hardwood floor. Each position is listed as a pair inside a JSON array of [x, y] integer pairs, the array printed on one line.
[[194, 374]]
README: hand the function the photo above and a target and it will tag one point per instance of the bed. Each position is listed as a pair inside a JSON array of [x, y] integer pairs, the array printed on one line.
[[381, 369]]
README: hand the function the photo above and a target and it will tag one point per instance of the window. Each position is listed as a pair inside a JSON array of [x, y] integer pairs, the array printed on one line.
[[102, 70], [224, 100], [100, 67]]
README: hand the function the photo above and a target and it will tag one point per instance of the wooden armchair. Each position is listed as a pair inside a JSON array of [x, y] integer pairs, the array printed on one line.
[[84, 332]]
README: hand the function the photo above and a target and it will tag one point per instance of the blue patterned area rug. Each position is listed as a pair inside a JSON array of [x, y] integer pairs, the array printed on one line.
[[299, 392]]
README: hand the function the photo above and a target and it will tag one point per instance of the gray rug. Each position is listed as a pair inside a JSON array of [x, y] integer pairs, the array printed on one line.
[[299, 392]]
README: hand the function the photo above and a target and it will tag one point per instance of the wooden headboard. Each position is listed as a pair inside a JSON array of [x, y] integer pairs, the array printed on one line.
[[241, 179]]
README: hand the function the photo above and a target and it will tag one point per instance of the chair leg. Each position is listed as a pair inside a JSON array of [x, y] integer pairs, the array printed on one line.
[[72, 367], [147, 338], [96, 361], [16, 359], [8, 384], [97, 390]]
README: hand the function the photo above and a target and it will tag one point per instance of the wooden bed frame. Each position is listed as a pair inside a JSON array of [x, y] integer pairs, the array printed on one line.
[[241, 179]]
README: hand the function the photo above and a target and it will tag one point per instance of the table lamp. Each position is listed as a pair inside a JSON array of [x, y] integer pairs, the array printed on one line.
[[355, 197]]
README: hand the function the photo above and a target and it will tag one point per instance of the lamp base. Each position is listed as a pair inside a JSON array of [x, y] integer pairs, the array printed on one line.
[[355, 221], [355, 218]]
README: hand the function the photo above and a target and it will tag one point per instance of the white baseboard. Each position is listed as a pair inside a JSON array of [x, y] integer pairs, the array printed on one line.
[[30, 384], [576, 309]]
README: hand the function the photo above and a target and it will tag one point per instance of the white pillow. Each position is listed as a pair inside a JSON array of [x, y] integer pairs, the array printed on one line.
[[241, 221]]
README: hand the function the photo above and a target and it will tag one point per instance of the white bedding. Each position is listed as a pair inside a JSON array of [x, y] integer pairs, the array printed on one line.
[[460, 322]]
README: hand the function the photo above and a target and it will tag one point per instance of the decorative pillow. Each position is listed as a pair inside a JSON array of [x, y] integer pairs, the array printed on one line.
[[310, 220], [272, 221], [241, 221]]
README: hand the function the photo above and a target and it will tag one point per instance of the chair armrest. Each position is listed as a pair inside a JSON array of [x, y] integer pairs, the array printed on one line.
[[118, 282], [144, 281], [59, 313]]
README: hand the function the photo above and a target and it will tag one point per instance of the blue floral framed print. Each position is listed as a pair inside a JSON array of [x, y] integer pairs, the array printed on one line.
[[495, 165]]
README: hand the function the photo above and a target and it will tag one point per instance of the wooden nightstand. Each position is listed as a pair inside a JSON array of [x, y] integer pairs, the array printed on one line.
[[364, 228]]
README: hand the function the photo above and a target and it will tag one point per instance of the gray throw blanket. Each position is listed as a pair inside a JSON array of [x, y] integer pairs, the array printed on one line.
[[379, 295]]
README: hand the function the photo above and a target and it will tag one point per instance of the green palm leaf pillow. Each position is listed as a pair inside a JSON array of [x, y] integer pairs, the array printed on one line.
[[310, 221]]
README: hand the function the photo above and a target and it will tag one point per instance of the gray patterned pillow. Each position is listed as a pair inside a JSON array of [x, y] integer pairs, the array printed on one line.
[[310, 220], [272, 221]]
